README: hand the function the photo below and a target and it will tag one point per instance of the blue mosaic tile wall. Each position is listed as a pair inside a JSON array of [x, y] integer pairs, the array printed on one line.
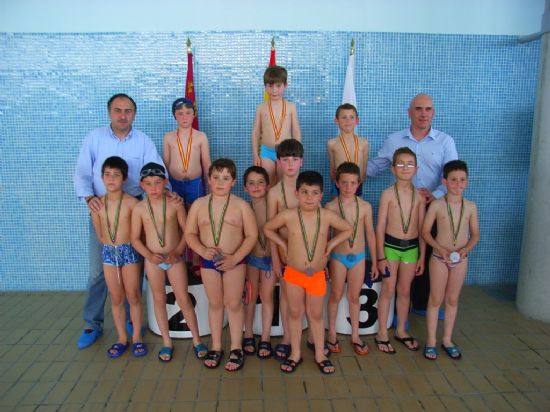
[[54, 89]]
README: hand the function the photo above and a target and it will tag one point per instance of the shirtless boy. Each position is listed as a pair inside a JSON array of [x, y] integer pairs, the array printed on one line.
[[457, 234], [348, 147], [276, 120], [306, 249], [121, 262], [222, 230], [163, 223], [347, 261], [401, 252]]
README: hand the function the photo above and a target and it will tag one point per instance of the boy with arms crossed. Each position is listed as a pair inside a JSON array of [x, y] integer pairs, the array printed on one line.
[[306, 249], [163, 223], [348, 258], [121, 262], [401, 252], [258, 271], [457, 234], [348, 147], [275, 120], [222, 230]]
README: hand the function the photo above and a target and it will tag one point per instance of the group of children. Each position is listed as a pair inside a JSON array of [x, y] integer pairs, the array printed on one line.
[[283, 233]]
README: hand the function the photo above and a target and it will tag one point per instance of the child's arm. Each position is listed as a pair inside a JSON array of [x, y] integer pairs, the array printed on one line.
[[270, 231], [96, 222], [381, 260], [474, 234], [294, 125], [276, 265], [191, 234], [331, 161], [429, 220], [176, 254], [205, 157], [137, 243], [342, 227], [371, 240], [250, 230], [364, 166], [256, 134], [422, 243], [166, 151]]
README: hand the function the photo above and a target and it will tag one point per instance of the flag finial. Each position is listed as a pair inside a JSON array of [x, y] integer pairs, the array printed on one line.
[[273, 43], [188, 45], [352, 49]]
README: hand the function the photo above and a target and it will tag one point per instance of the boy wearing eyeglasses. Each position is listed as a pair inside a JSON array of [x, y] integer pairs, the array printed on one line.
[[163, 223], [400, 248]]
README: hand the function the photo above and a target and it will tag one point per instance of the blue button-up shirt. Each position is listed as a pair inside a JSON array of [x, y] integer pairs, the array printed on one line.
[[432, 152], [136, 148]]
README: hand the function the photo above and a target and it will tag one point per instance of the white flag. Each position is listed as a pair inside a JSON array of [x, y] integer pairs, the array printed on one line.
[[349, 85]]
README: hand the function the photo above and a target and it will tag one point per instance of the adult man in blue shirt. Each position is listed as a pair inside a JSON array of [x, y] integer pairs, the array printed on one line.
[[117, 139], [433, 149]]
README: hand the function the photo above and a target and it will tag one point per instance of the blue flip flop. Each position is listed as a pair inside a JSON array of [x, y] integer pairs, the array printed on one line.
[[452, 351], [201, 347], [139, 349], [166, 350], [117, 350], [430, 350]]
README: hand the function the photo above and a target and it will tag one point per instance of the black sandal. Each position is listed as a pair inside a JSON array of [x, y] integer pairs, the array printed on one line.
[[325, 364], [291, 365], [213, 355], [237, 359], [282, 351], [265, 346], [247, 344]]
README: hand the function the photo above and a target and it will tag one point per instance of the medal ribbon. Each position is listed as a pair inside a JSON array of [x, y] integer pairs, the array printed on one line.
[[351, 240], [277, 130], [112, 233], [451, 220], [185, 158], [310, 253], [283, 193], [217, 233], [408, 222], [159, 235], [345, 147], [261, 239]]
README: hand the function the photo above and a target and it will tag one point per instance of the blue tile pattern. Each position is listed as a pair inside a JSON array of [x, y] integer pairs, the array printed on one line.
[[54, 89]]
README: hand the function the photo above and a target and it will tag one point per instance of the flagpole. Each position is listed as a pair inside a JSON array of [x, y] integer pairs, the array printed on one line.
[[352, 48]]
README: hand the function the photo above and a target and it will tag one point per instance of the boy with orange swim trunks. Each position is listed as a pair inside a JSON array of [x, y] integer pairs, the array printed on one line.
[[306, 251]]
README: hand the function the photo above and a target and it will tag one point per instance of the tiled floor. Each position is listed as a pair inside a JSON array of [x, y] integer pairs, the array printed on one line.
[[506, 366]]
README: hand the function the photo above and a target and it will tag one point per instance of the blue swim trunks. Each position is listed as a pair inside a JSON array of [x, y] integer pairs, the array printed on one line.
[[120, 255], [260, 262], [211, 264], [268, 153], [189, 190], [349, 260]]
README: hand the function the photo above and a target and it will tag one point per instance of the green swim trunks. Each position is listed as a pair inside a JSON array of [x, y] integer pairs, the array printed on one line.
[[397, 250]]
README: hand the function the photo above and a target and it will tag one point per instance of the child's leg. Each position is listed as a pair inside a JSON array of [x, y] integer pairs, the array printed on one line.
[[283, 307], [116, 290], [296, 295], [314, 310], [438, 283], [177, 275], [213, 287], [356, 276], [403, 300], [131, 275], [337, 282], [387, 293], [267, 287], [157, 281], [270, 167], [233, 284], [452, 293], [253, 274]]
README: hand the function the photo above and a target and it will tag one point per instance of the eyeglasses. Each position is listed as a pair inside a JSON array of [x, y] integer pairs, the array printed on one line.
[[152, 172], [405, 165]]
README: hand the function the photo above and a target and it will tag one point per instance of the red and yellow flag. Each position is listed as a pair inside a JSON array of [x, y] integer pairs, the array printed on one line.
[[271, 62], [190, 85]]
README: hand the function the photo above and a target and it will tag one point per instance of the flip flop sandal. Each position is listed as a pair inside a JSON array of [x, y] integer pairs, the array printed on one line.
[[408, 339], [387, 344], [360, 349], [139, 349], [247, 344], [284, 349], [325, 364], [213, 355], [265, 346], [166, 351], [200, 348], [430, 353], [117, 350], [291, 365], [237, 359], [333, 347], [452, 351]]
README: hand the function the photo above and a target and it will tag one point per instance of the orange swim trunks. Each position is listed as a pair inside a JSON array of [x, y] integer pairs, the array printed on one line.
[[315, 284]]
